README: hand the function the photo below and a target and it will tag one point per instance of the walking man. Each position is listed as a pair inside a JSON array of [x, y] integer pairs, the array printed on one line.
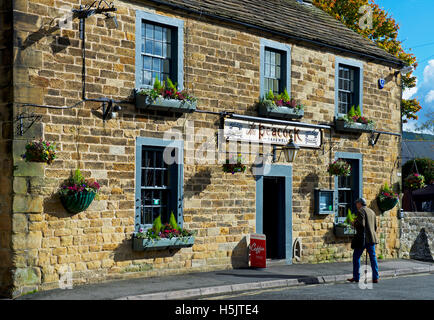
[[365, 238]]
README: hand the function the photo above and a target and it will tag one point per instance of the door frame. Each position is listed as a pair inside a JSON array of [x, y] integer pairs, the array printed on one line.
[[277, 171]]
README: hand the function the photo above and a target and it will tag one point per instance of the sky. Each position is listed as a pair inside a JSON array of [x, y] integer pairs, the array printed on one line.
[[416, 22]]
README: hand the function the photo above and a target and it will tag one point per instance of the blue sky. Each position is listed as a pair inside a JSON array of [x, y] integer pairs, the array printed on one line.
[[416, 21]]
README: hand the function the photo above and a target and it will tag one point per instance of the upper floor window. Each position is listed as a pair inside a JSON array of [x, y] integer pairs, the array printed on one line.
[[275, 67], [273, 79], [159, 49], [349, 85]]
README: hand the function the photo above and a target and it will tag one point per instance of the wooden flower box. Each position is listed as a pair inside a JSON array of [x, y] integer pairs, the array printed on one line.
[[345, 126], [280, 112], [140, 244], [341, 231], [160, 104]]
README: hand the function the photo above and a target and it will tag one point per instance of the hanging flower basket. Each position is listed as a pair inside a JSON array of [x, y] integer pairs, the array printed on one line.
[[77, 193], [414, 181], [78, 202], [339, 168], [40, 151], [387, 199], [234, 164]]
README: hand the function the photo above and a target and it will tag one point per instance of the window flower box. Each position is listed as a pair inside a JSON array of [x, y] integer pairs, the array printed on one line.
[[343, 230], [161, 237], [162, 104], [140, 244], [266, 109], [346, 126], [280, 106], [165, 97], [354, 122]]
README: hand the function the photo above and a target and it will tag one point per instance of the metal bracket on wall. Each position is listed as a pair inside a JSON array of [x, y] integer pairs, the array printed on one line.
[[372, 139], [21, 128]]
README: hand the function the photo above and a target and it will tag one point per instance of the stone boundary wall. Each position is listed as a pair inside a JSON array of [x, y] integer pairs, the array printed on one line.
[[417, 236]]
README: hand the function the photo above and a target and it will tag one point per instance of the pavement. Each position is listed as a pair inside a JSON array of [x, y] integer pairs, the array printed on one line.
[[197, 285]]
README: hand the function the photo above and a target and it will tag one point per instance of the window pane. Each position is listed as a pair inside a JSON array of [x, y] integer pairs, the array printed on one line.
[[166, 66], [156, 64], [158, 33], [272, 71], [267, 56], [158, 48], [147, 61], [278, 73], [276, 86], [278, 59], [149, 47], [147, 78], [272, 58], [149, 31]]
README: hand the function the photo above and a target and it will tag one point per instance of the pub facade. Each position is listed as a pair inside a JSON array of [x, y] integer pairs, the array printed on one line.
[[222, 116]]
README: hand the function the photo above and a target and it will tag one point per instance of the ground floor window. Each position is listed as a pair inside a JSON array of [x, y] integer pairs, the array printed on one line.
[[158, 181], [348, 189]]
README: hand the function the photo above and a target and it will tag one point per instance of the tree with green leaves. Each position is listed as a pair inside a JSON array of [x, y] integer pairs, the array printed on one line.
[[384, 33]]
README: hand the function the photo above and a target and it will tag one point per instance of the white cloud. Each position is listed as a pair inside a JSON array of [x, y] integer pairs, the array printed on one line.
[[409, 93], [409, 126], [428, 72], [430, 96]]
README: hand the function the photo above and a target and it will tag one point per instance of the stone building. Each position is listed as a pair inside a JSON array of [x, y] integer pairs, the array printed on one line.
[[228, 54]]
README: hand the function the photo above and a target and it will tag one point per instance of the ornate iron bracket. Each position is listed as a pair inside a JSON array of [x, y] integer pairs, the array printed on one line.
[[21, 128]]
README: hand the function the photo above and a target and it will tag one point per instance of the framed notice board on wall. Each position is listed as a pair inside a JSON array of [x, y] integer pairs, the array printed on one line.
[[324, 203]]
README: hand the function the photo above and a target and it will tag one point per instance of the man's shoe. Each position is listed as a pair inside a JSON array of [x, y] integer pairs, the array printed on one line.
[[353, 280], [375, 281]]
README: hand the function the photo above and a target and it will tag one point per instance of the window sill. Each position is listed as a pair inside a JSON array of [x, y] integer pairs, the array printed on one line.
[[345, 126], [161, 104], [162, 244], [280, 112]]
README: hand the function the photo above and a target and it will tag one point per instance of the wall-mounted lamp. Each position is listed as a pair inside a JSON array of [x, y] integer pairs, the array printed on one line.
[[111, 21], [404, 71], [290, 151]]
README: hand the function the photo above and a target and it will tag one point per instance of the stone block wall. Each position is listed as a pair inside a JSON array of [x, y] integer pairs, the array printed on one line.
[[6, 125], [417, 236], [221, 68]]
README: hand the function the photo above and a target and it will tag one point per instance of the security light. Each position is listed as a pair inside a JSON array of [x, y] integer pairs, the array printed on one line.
[[111, 21]]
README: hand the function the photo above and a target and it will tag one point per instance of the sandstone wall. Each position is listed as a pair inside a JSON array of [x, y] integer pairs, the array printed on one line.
[[221, 68]]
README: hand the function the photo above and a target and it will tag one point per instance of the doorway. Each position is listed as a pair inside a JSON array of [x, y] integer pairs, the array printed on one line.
[[274, 217]]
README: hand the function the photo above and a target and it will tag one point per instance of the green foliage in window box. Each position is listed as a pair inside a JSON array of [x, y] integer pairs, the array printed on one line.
[[166, 96], [353, 121], [280, 106], [163, 236]]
